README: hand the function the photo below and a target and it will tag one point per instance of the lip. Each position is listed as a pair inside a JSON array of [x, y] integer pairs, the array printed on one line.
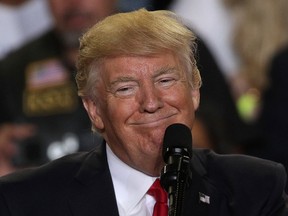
[[153, 121]]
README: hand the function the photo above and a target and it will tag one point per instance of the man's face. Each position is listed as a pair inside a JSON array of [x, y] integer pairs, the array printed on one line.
[[138, 98], [78, 15]]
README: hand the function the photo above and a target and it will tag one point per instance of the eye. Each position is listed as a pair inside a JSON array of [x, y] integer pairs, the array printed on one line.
[[125, 90], [166, 81]]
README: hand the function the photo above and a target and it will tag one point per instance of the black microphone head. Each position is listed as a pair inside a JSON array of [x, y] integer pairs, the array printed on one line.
[[177, 136]]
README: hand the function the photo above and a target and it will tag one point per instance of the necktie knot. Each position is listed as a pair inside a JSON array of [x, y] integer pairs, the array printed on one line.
[[161, 207]]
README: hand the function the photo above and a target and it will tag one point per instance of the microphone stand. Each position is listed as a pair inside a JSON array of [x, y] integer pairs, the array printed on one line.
[[174, 178]]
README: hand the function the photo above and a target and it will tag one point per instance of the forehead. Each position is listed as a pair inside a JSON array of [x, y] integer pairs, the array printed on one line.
[[132, 64]]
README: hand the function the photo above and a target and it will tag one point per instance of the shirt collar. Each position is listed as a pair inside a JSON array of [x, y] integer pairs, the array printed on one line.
[[130, 185]]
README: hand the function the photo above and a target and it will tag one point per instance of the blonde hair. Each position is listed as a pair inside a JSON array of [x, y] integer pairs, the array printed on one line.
[[261, 31], [138, 33]]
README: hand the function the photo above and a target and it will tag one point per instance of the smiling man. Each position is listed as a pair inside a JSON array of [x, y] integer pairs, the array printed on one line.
[[140, 97], [136, 76]]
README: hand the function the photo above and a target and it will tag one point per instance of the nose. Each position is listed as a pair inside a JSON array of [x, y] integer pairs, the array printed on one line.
[[150, 99]]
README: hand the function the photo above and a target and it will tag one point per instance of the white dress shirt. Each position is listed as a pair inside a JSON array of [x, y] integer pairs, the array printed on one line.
[[130, 187]]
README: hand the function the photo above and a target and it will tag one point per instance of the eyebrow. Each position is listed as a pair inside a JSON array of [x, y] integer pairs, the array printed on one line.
[[122, 79], [165, 70]]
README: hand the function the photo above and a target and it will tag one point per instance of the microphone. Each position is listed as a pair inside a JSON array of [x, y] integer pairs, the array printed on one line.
[[177, 153]]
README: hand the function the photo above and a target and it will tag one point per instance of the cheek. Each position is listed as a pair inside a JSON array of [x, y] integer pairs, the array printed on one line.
[[119, 110], [183, 100], [181, 97]]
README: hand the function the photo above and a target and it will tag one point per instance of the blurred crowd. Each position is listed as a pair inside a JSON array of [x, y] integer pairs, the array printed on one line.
[[22, 21], [242, 57]]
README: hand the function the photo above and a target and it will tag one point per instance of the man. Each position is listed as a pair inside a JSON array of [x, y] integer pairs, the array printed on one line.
[[38, 89], [137, 75]]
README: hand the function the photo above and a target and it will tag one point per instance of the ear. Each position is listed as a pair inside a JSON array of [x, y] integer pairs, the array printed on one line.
[[93, 113], [195, 98]]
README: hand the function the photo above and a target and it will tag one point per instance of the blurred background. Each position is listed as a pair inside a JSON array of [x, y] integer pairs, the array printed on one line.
[[242, 56]]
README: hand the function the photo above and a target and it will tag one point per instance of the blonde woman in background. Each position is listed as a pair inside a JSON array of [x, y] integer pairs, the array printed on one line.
[[261, 31], [261, 41]]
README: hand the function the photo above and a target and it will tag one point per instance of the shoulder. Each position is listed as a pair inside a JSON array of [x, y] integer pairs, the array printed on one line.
[[54, 181], [21, 190], [56, 172], [236, 167], [48, 40], [248, 183], [45, 46]]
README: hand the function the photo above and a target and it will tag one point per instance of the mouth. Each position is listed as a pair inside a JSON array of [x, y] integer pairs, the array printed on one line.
[[152, 122]]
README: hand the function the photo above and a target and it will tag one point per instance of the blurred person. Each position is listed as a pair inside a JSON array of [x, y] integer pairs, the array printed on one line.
[[273, 118], [38, 87], [12, 3], [137, 75], [261, 41], [18, 24], [221, 126], [260, 32]]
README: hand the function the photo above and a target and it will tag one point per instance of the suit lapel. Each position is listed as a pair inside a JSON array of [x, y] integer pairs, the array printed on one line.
[[92, 191], [202, 198]]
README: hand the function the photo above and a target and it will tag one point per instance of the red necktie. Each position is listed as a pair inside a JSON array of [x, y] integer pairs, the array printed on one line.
[[160, 207]]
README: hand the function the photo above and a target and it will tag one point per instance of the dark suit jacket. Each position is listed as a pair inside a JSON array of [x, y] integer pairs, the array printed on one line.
[[81, 185]]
